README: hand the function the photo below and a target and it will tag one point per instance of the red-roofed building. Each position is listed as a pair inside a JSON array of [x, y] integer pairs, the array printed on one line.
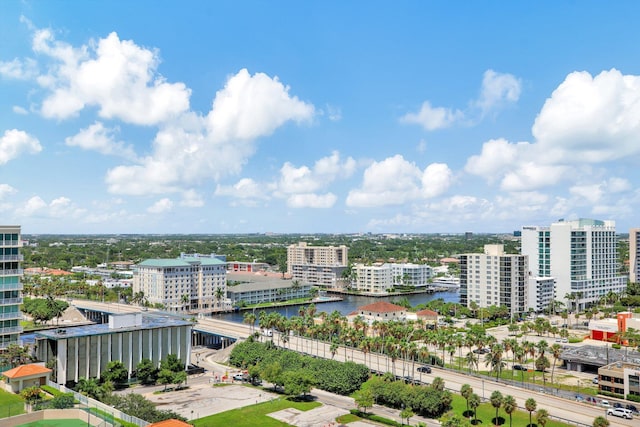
[[382, 311], [24, 376], [427, 315]]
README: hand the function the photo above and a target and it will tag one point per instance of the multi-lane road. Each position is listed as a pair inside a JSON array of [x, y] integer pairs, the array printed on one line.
[[566, 409]]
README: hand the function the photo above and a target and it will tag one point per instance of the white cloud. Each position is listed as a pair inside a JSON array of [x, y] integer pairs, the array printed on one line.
[[32, 206], [253, 106], [531, 175], [5, 190], [306, 180], [19, 110], [19, 69], [618, 185], [497, 91], [246, 188], [14, 142], [117, 76], [98, 138], [161, 206], [395, 181], [497, 157], [432, 118], [192, 199], [334, 113], [591, 119], [194, 148], [60, 207], [310, 200]]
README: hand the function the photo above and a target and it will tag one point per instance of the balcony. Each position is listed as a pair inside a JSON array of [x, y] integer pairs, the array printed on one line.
[[18, 257], [10, 301], [11, 316], [11, 287], [15, 272], [12, 330]]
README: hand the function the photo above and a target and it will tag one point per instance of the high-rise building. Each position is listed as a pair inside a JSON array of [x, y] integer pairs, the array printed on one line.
[[10, 285], [187, 283], [634, 255], [582, 256], [494, 278], [318, 265]]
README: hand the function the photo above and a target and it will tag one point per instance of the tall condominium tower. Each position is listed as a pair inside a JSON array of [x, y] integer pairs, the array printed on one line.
[[10, 285], [494, 278], [582, 255], [318, 265], [634, 255]]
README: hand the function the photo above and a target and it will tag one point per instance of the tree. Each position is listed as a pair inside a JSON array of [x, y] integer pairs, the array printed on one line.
[[474, 402], [466, 391], [179, 378], [146, 373], [165, 376], [510, 406], [31, 394], [530, 405], [15, 355], [89, 387], [63, 401], [496, 401], [601, 421], [115, 372], [542, 417], [273, 374], [406, 413], [298, 382], [364, 399], [451, 419], [172, 363]]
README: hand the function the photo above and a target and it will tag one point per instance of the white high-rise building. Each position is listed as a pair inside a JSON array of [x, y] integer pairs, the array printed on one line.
[[494, 278], [380, 278], [634, 255], [10, 285], [318, 265], [582, 256]]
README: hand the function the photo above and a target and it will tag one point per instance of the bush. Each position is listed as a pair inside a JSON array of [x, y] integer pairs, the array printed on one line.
[[633, 398], [52, 391], [376, 418], [616, 346], [63, 401]]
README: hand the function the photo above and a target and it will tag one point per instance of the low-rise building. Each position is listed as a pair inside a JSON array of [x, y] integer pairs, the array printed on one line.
[[267, 291], [23, 376], [621, 378], [380, 311], [85, 351]]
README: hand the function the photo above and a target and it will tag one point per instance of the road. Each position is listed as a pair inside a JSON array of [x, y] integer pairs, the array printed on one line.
[[561, 408]]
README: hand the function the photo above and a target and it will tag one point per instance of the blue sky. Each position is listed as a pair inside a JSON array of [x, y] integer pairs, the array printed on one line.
[[243, 117]]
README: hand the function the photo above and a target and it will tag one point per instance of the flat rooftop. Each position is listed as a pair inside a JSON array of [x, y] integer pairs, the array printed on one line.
[[599, 356], [148, 322]]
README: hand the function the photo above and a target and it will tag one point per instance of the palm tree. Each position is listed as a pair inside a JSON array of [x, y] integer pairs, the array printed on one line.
[[474, 402], [510, 406], [530, 405], [466, 391], [542, 417], [218, 295], [185, 301], [556, 351], [472, 361], [496, 401]]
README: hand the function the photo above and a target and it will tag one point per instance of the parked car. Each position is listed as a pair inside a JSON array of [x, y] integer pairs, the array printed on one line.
[[595, 380], [632, 408], [519, 368], [239, 377], [481, 350], [620, 412], [617, 405], [605, 403], [425, 369]]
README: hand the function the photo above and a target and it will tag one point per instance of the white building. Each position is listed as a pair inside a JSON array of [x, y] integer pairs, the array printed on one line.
[[380, 278], [318, 265], [10, 285], [494, 278], [414, 275], [634, 255], [184, 284], [541, 293], [582, 255]]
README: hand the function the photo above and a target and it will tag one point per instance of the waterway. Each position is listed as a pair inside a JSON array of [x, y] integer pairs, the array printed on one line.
[[348, 304]]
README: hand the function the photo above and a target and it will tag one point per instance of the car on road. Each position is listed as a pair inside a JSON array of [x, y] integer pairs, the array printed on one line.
[[605, 403], [519, 368], [595, 380], [481, 350], [632, 408], [620, 412], [425, 369], [240, 377]]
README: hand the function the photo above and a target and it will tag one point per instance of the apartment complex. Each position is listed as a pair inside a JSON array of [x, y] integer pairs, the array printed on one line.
[[380, 278], [582, 256], [634, 255], [621, 378], [188, 283], [494, 278], [10, 285], [318, 265]]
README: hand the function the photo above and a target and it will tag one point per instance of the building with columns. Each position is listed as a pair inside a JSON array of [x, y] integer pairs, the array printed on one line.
[[85, 351]]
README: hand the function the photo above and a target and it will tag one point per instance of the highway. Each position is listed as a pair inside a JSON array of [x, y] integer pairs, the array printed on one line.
[[561, 408]]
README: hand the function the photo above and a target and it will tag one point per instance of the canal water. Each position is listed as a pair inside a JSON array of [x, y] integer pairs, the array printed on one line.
[[348, 304]]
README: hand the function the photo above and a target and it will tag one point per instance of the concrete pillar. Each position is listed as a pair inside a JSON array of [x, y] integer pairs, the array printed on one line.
[[62, 361]]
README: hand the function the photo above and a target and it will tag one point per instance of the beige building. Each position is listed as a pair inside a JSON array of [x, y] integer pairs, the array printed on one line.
[[23, 376], [380, 311], [621, 378], [317, 265]]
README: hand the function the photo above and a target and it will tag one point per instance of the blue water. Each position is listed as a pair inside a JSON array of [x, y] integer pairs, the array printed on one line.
[[348, 304]]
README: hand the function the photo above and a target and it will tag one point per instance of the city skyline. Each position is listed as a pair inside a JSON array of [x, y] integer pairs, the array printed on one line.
[[418, 117]]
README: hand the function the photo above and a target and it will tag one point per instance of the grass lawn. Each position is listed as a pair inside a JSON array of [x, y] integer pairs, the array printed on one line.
[[486, 414], [56, 423], [10, 404], [254, 415]]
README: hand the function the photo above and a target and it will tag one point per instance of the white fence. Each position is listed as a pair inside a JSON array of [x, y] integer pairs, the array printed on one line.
[[92, 403]]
